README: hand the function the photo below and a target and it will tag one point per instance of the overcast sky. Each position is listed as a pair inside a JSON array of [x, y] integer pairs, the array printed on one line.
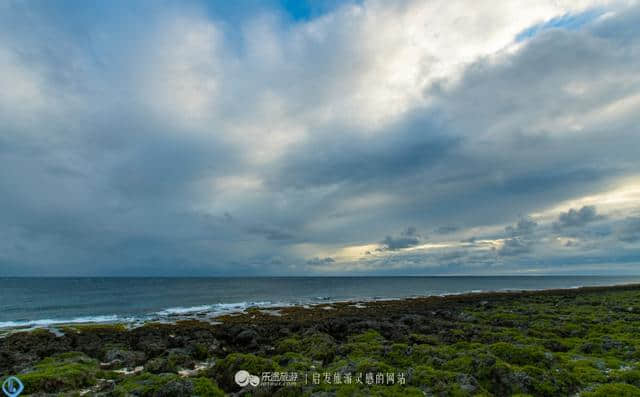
[[319, 138]]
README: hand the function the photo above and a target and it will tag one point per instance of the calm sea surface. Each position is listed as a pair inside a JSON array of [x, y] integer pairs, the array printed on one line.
[[45, 301]]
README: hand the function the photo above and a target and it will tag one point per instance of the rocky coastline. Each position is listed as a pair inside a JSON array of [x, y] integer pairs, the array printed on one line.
[[582, 342]]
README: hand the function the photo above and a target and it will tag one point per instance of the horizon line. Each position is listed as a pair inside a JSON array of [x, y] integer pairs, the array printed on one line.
[[332, 276]]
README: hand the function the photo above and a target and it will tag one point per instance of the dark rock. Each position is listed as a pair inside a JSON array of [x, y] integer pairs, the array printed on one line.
[[247, 338], [467, 383], [587, 347], [323, 394], [610, 344], [113, 364], [159, 365], [216, 349], [411, 319], [284, 331], [127, 357], [176, 388], [556, 346], [152, 346], [105, 386]]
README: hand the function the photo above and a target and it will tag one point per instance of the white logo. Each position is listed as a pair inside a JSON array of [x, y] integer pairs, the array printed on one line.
[[244, 378], [12, 387]]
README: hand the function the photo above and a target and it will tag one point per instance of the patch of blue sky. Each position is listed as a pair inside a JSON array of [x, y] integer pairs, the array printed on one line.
[[566, 21], [294, 10], [303, 10]]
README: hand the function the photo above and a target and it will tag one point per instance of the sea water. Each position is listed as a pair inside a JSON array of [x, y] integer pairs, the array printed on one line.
[[28, 302]]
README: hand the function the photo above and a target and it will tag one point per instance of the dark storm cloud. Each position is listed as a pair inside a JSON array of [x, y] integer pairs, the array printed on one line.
[[165, 167], [515, 246], [629, 231], [525, 226], [520, 238], [408, 238], [352, 158], [577, 218], [395, 243], [270, 233], [446, 229], [320, 261]]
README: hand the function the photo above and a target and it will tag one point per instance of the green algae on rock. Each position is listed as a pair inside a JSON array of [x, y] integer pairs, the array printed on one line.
[[62, 372]]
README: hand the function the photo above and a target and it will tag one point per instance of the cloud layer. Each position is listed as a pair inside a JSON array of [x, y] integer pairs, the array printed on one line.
[[187, 138]]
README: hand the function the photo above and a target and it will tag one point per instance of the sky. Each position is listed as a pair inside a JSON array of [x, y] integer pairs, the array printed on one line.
[[313, 138]]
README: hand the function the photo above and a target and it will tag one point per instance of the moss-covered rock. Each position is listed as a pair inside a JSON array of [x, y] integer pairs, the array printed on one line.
[[289, 344], [614, 389], [225, 370], [200, 351], [293, 362], [316, 346], [587, 371], [319, 346], [521, 355], [378, 391], [434, 381], [173, 361], [204, 387], [630, 376], [151, 385], [144, 385], [62, 372], [116, 357]]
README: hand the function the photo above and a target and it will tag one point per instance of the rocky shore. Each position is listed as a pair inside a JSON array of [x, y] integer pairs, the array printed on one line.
[[582, 342]]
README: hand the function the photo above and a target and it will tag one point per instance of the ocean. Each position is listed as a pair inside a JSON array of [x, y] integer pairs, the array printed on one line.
[[32, 302]]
